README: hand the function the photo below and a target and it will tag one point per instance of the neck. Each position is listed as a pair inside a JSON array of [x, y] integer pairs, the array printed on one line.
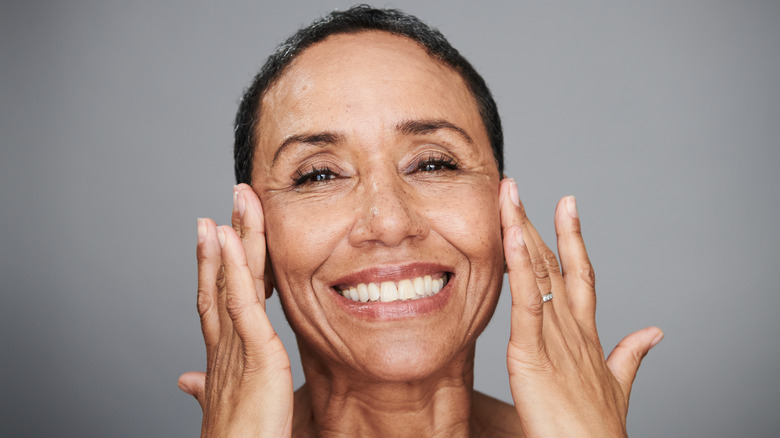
[[341, 402]]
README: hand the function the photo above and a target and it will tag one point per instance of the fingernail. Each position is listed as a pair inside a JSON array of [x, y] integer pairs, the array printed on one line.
[[519, 236], [657, 340], [513, 192], [238, 202], [202, 230], [221, 236], [571, 206]]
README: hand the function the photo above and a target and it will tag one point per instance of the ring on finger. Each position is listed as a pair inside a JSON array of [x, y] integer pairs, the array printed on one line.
[[547, 297]]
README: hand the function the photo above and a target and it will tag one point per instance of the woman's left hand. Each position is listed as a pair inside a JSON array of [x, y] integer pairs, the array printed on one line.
[[560, 382]]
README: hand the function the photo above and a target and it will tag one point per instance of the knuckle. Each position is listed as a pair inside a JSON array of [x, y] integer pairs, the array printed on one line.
[[272, 348], [587, 275], [573, 232], [634, 355], [551, 260], [221, 279], [242, 265], [201, 255], [540, 267], [237, 263], [638, 355], [242, 231], [205, 302], [533, 306], [245, 231], [234, 305]]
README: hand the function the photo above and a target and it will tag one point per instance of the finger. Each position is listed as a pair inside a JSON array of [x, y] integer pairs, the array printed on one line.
[[527, 308], [577, 269], [513, 207], [241, 299], [252, 232], [527, 311], [625, 359], [194, 384], [548, 270], [209, 264], [514, 213]]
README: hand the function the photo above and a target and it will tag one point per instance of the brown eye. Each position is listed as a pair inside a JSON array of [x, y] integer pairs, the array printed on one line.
[[437, 164], [314, 176]]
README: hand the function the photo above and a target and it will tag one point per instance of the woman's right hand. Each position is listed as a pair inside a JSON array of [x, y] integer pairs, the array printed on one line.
[[247, 388]]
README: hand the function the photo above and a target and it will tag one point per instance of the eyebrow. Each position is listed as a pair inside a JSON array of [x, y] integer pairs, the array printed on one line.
[[318, 139], [406, 127], [419, 127]]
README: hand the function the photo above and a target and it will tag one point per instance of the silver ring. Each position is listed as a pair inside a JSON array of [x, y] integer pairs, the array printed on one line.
[[546, 298]]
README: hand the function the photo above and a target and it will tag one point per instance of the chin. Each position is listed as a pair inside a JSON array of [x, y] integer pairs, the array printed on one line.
[[405, 362]]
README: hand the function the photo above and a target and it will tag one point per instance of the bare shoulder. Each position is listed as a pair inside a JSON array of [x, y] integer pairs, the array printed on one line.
[[494, 417]]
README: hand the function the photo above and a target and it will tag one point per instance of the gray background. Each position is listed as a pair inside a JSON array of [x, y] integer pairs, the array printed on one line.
[[115, 122]]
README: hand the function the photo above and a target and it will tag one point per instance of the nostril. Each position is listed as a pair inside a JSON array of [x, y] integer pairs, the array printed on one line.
[[398, 218]]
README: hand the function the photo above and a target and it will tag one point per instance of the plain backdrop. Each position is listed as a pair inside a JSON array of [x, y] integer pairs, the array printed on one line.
[[663, 118]]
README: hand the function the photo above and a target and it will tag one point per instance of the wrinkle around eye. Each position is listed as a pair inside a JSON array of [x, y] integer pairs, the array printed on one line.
[[294, 170], [314, 176], [333, 188]]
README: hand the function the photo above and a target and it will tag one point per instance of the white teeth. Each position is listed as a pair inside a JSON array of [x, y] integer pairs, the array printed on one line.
[[419, 286], [436, 286], [407, 289], [388, 291], [362, 290], [373, 292]]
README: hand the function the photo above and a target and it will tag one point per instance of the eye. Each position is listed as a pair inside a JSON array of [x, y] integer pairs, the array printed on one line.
[[314, 176], [436, 163]]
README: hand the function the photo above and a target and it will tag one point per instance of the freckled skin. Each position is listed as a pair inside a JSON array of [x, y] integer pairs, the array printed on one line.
[[377, 207]]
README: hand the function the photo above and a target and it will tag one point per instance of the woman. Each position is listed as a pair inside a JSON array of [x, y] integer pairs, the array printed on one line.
[[373, 201]]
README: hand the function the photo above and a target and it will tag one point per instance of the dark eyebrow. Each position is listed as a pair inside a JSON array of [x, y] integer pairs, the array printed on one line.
[[417, 127], [318, 139]]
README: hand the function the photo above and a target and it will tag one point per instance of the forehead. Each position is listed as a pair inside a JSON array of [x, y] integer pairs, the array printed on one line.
[[361, 82]]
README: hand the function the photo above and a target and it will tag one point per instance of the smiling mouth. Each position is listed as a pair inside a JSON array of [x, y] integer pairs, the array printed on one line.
[[386, 291]]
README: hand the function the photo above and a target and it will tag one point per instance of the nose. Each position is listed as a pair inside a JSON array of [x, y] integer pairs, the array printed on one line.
[[388, 213]]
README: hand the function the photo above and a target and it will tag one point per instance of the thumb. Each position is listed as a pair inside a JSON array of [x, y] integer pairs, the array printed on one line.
[[628, 354], [194, 384]]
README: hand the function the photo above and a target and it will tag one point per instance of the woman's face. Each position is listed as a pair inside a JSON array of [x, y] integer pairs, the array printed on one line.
[[378, 182]]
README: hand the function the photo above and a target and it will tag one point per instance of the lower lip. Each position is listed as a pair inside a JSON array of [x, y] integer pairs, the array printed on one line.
[[402, 309]]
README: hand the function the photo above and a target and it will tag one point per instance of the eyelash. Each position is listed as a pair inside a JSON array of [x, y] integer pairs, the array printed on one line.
[[440, 162], [309, 177]]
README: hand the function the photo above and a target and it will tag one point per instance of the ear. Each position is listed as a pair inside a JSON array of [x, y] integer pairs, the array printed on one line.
[[268, 277]]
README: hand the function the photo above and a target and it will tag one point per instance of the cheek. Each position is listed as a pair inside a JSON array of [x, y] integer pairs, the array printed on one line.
[[301, 236], [469, 219]]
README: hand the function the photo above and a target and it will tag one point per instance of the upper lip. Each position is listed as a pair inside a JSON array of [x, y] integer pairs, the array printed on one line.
[[378, 274]]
